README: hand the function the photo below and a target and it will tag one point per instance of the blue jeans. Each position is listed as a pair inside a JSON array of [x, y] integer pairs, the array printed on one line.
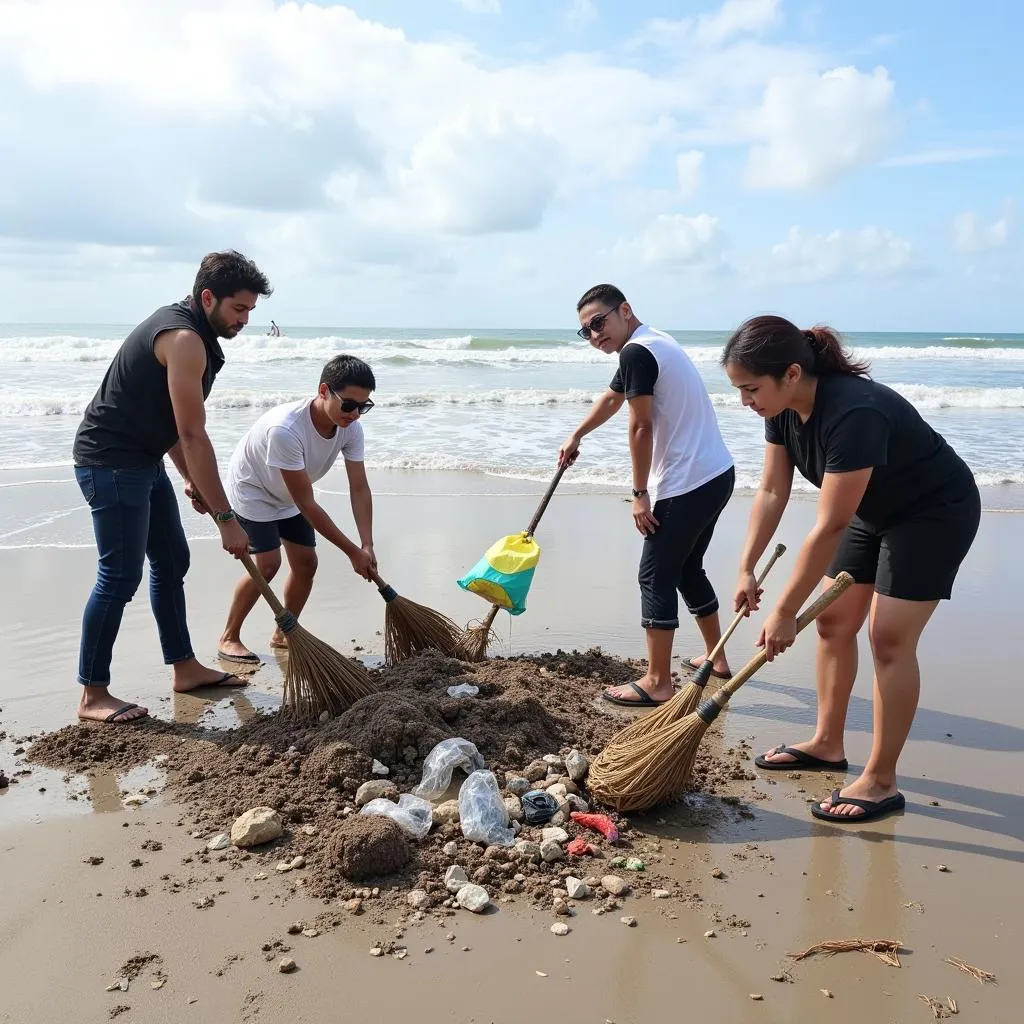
[[134, 516]]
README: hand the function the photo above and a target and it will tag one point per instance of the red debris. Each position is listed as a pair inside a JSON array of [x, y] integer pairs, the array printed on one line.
[[579, 847], [599, 822]]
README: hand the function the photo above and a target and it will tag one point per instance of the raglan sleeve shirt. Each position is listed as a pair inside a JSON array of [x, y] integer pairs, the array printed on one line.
[[637, 372]]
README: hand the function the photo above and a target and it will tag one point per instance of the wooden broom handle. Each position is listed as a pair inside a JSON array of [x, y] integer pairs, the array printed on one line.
[[805, 618], [780, 550], [535, 521], [257, 578]]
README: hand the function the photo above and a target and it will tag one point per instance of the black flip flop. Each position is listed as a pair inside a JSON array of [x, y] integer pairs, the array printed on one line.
[[873, 809], [804, 762], [115, 715], [688, 663], [240, 659], [645, 701]]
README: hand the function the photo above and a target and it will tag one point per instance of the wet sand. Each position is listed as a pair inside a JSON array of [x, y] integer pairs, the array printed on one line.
[[61, 944]]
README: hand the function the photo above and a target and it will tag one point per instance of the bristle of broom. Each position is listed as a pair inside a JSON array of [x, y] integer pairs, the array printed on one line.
[[679, 706], [474, 643], [637, 774], [410, 628], [318, 678]]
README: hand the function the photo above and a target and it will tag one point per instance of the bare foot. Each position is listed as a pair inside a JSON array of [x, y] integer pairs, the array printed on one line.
[[860, 789], [808, 747], [190, 675], [235, 650], [719, 665], [656, 691], [98, 705], [279, 642]]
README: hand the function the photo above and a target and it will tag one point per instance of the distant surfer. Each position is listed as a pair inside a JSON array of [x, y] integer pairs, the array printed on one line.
[[275, 331]]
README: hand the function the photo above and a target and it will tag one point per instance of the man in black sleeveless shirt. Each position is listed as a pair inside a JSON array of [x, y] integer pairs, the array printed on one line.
[[151, 403]]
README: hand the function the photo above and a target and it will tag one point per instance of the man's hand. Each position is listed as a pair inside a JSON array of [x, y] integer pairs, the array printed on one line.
[[748, 595], [642, 516], [569, 451], [363, 562], [193, 495], [233, 538], [778, 634], [368, 548]]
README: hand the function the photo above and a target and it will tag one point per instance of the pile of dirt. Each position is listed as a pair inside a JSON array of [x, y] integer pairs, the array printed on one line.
[[526, 708]]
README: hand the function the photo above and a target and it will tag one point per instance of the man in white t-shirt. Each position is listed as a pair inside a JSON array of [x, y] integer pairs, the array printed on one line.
[[270, 486], [683, 478]]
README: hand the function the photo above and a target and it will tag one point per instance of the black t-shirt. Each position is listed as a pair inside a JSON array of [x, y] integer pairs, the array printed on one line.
[[637, 372], [858, 423]]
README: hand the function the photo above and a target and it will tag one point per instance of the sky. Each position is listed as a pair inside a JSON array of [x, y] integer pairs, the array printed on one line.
[[445, 163]]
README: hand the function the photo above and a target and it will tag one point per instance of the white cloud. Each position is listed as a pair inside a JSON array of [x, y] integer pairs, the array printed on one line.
[[688, 172], [814, 128], [736, 17], [972, 234], [578, 14], [673, 241], [480, 6], [955, 155], [869, 252]]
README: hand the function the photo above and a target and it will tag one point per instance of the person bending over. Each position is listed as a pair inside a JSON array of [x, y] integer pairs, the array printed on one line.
[[270, 482], [898, 510], [683, 478], [151, 403]]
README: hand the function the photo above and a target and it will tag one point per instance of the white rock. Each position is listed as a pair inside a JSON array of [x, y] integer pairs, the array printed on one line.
[[298, 862], [560, 907], [380, 769], [450, 849], [418, 899], [284, 866], [375, 789], [558, 791], [447, 813], [514, 806], [560, 929], [554, 760], [455, 878], [256, 826], [577, 803], [558, 834], [576, 766], [629, 922], [473, 897], [614, 885], [517, 785], [527, 849], [550, 851], [576, 888], [559, 818], [221, 841], [135, 800], [660, 894], [308, 830]]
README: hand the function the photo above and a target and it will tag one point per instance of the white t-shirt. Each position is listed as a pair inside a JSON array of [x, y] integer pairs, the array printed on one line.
[[284, 438], [688, 446]]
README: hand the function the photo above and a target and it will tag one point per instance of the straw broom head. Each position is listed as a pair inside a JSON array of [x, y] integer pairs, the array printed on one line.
[[410, 628], [475, 639], [639, 773]]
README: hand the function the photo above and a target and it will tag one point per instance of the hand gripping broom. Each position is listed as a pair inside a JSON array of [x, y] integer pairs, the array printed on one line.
[[638, 774]]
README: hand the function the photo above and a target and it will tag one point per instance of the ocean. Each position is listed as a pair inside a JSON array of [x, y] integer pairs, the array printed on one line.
[[482, 403]]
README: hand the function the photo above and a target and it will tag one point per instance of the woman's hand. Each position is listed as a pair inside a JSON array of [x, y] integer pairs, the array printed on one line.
[[778, 633], [642, 516], [748, 594]]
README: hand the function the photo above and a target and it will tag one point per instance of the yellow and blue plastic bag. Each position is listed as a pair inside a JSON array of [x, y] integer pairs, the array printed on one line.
[[504, 574]]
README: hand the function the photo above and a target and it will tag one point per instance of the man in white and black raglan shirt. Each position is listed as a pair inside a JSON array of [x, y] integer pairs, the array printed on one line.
[[683, 478]]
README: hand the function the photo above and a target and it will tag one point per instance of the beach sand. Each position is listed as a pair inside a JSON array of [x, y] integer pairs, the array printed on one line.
[[788, 881]]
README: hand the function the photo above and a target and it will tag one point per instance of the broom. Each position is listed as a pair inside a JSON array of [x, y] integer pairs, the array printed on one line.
[[410, 627], [317, 678], [687, 699], [473, 646], [635, 775]]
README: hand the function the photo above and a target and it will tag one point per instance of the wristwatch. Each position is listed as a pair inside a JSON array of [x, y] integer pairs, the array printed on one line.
[[224, 517], [639, 493]]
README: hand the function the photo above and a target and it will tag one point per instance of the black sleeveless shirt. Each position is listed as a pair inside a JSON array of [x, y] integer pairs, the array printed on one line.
[[130, 422]]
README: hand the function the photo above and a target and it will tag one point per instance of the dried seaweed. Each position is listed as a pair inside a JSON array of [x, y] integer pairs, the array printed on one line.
[[975, 972], [886, 950]]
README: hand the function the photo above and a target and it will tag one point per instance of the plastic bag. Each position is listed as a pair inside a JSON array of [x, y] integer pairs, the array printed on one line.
[[463, 690], [482, 811], [442, 761], [539, 807], [413, 815], [504, 574]]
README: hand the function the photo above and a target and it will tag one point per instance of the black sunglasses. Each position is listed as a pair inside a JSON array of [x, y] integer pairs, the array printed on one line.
[[596, 324], [351, 405]]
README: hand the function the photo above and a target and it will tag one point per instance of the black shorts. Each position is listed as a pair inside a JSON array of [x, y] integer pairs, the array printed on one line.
[[268, 536], [916, 559]]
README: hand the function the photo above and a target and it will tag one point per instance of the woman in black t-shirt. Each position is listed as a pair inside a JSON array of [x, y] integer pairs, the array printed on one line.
[[898, 510]]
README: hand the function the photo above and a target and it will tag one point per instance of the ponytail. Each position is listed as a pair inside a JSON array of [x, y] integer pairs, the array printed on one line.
[[767, 346]]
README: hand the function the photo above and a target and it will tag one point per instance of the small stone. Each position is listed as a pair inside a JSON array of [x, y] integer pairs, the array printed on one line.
[[419, 899], [514, 806], [473, 897], [308, 830], [561, 908], [527, 849], [258, 825], [617, 862], [558, 791], [551, 851], [660, 894], [287, 965], [259, 876], [554, 760], [710, 934], [296, 928], [559, 818], [284, 866], [310, 933], [376, 789], [943, 868], [576, 888], [447, 813], [635, 864], [559, 835], [576, 766], [718, 873], [826, 993], [450, 849], [298, 862], [135, 800], [517, 785], [221, 841], [614, 885], [629, 922], [380, 769], [577, 804], [354, 906], [540, 974], [455, 878], [325, 716], [757, 997], [376, 951], [559, 928], [536, 771]]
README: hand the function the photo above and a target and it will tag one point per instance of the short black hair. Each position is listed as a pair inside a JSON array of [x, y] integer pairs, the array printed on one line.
[[344, 370], [606, 293], [227, 273]]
